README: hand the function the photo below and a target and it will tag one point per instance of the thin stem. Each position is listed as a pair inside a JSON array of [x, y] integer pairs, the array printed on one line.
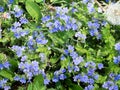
[[99, 5]]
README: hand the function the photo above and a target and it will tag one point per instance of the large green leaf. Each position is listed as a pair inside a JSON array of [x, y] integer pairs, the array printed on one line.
[[30, 86], [33, 9], [75, 87], [6, 74], [37, 84]]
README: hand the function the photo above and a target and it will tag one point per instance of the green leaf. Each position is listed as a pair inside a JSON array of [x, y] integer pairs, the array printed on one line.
[[38, 83], [39, 1], [6, 74], [75, 87], [33, 9], [14, 65], [39, 79], [30, 86]]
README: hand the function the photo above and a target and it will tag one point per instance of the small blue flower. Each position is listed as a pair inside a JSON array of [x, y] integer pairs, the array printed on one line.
[[85, 1], [23, 20], [89, 87], [22, 80], [10, 1], [100, 66], [91, 81], [74, 55], [76, 69], [16, 78], [77, 77], [62, 57], [117, 77], [78, 60], [45, 19], [62, 77], [107, 1], [6, 64], [117, 46], [116, 60], [90, 71], [7, 88], [1, 9], [17, 24], [84, 79], [41, 40], [55, 79], [18, 13], [1, 66], [46, 81], [24, 58]]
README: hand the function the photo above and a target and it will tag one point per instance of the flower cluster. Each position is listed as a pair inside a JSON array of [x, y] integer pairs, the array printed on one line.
[[94, 28], [59, 47], [29, 68], [5, 65], [3, 84], [17, 25], [61, 21], [19, 50]]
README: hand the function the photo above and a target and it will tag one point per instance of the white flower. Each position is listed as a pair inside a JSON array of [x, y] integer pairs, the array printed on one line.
[[113, 13]]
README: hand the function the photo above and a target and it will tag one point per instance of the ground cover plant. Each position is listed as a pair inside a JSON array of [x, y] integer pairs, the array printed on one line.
[[59, 45]]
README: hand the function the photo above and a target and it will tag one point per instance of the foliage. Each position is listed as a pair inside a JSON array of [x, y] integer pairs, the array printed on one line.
[[57, 45]]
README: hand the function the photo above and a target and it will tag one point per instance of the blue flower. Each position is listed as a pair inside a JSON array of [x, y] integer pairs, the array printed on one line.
[[46, 81], [16, 78], [77, 60], [17, 24], [90, 71], [84, 79], [23, 80], [90, 64], [41, 40], [7, 88], [100, 66], [10, 1], [85, 1], [66, 51], [62, 77], [116, 60], [62, 57], [55, 79], [81, 36], [107, 1], [24, 58], [1, 9], [42, 57], [89, 87], [74, 55], [117, 77], [110, 85], [111, 75], [74, 26], [77, 77], [1, 66], [45, 18], [70, 69], [23, 20], [91, 81], [76, 68], [6, 64], [18, 13], [117, 46], [35, 34], [30, 69], [90, 7]]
